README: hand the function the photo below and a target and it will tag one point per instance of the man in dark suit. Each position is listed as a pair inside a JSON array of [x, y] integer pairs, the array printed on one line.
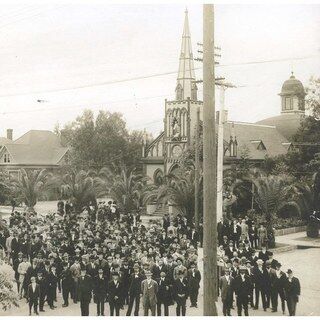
[[235, 233], [85, 287], [166, 222], [52, 279], [229, 250], [134, 290], [264, 254], [226, 287], [277, 279], [242, 289], [43, 286], [115, 292], [180, 289], [164, 294], [100, 291], [92, 268], [292, 292], [125, 281], [260, 283], [194, 278], [66, 283], [33, 295]]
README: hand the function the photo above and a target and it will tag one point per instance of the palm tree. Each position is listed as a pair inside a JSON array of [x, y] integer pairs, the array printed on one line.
[[30, 186], [123, 185], [78, 186], [178, 189], [271, 194]]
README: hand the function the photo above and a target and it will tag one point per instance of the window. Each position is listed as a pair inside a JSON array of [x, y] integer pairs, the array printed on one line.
[[194, 92], [179, 92], [6, 158], [295, 103], [288, 105]]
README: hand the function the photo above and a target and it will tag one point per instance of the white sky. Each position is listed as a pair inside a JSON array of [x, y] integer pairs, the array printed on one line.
[[50, 47]]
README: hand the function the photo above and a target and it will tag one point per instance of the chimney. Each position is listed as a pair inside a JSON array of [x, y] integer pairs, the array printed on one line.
[[9, 134]]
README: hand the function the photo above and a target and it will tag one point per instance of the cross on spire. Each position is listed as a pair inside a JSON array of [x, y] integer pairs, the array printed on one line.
[[186, 87]]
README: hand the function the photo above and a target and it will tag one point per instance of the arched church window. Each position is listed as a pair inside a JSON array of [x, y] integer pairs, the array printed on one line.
[[158, 177], [194, 91], [179, 92], [231, 147]]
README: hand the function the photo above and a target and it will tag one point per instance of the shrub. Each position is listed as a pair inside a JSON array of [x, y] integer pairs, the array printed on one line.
[[312, 229]]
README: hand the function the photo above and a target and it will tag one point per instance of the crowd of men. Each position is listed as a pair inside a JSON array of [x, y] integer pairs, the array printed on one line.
[[107, 257], [103, 256], [249, 271]]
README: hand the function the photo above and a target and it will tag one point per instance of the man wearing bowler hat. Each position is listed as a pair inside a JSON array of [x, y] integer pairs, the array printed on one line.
[[85, 287], [292, 292], [277, 280], [242, 289], [180, 289], [115, 294]]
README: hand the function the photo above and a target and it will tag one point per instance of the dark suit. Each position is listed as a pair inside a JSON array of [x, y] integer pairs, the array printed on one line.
[[226, 288], [194, 279], [260, 282], [292, 292], [115, 291], [235, 234], [163, 296], [277, 288], [43, 285], [242, 290], [125, 281], [67, 285], [92, 270], [180, 288], [100, 293], [134, 293], [33, 297], [85, 287], [52, 288]]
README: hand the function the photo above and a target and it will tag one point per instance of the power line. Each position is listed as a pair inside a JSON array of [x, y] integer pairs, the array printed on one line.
[[39, 13], [105, 83]]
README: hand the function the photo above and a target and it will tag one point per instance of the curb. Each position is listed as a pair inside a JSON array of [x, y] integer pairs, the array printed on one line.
[[285, 248]]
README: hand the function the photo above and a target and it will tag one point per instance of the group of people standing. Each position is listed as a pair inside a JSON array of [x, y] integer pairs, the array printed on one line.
[[250, 272], [102, 255]]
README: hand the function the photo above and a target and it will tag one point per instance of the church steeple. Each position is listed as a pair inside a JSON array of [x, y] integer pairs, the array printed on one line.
[[186, 87]]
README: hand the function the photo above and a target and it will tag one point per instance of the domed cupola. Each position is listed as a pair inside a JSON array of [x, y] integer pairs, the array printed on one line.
[[292, 96]]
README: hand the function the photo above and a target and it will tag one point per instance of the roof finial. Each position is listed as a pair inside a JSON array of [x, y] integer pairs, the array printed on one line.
[[292, 76]]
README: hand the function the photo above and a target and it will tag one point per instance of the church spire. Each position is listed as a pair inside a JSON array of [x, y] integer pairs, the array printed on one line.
[[186, 87]]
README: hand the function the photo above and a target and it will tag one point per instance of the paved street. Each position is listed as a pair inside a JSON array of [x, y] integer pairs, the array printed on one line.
[[304, 263]]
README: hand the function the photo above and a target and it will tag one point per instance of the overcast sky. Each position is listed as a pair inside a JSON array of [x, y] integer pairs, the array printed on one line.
[[47, 49]]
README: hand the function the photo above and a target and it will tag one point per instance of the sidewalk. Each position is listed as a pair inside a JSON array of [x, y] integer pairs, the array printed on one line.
[[299, 239]]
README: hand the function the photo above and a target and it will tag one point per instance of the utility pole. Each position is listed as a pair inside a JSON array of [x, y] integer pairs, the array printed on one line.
[[220, 155], [223, 86], [209, 166], [197, 173]]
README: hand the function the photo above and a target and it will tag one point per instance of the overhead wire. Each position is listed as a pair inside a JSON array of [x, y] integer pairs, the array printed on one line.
[[110, 82]]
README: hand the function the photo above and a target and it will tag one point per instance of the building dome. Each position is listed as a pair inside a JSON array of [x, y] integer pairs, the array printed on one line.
[[292, 86]]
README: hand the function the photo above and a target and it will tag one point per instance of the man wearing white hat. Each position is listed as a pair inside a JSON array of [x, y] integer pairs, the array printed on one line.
[[149, 290]]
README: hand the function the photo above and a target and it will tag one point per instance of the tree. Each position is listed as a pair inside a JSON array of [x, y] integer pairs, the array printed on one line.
[[5, 192], [124, 185], [271, 194], [78, 186], [102, 141], [8, 296], [178, 189], [30, 186]]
